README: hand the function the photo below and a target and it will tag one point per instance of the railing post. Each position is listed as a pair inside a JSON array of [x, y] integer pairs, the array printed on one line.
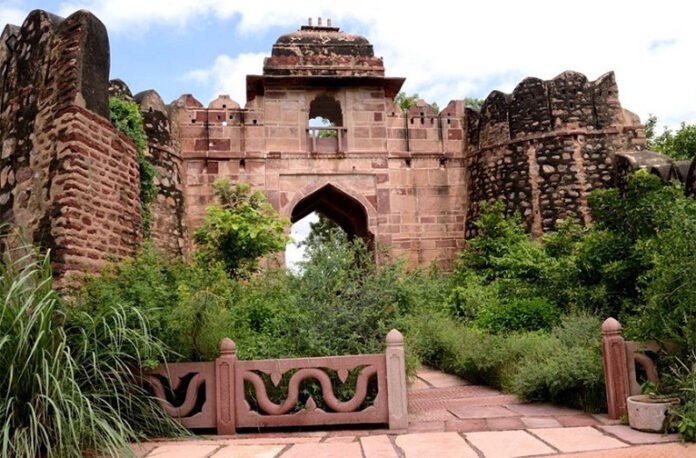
[[224, 377], [396, 381], [615, 368]]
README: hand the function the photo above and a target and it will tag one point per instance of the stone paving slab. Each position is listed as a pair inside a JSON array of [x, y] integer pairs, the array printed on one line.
[[465, 412], [440, 445], [465, 426], [504, 424], [336, 450], [508, 444], [287, 439], [540, 422], [378, 447], [577, 419], [630, 435], [184, 450], [542, 410], [418, 384], [456, 392], [439, 379], [643, 451], [580, 439], [249, 451], [333, 439]]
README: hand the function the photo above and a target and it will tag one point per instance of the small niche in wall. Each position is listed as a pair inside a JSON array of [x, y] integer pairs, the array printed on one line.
[[442, 161], [408, 163], [242, 164]]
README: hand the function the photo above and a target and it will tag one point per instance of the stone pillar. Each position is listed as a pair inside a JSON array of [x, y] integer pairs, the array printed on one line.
[[615, 368], [224, 391], [396, 381]]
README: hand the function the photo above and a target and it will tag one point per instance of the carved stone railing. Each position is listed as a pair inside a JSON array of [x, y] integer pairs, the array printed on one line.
[[620, 360], [228, 394]]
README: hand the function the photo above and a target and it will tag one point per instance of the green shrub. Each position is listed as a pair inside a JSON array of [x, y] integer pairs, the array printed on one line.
[[523, 314], [681, 381], [239, 230], [68, 381], [125, 116], [564, 367], [186, 305]]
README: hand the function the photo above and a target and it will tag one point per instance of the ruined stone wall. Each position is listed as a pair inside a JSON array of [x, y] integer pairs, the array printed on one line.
[[67, 177], [544, 147], [168, 228]]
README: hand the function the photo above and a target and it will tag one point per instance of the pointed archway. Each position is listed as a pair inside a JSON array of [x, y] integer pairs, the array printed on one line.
[[346, 211]]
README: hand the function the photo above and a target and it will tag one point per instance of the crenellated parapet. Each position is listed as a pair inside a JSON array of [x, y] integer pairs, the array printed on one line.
[[545, 146]]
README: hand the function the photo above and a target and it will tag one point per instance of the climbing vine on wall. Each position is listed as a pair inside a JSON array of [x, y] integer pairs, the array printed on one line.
[[125, 115]]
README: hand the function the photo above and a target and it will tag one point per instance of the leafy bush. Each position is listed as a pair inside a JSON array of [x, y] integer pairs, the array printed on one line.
[[572, 374], [523, 314], [186, 305], [682, 381], [240, 230], [68, 380], [564, 367]]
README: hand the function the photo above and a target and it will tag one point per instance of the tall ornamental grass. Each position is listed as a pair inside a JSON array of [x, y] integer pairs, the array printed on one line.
[[68, 383]]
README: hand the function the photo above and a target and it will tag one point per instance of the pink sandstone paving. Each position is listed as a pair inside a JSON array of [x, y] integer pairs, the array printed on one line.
[[506, 444], [645, 451], [526, 429], [540, 422], [378, 447], [440, 445], [632, 436], [184, 450], [336, 450], [249, 451], [580, 439]]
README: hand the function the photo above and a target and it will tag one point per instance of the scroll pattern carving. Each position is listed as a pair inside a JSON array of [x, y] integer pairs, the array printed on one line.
[[360, 389], [191, 388], [281, 413]]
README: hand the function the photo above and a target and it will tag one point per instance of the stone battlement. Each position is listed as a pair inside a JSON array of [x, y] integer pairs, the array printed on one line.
[[412, 181]]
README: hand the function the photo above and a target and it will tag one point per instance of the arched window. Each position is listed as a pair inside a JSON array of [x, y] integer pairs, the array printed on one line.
[[325, 129]]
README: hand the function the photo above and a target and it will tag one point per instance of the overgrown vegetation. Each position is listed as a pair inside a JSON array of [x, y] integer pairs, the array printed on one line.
[[636, 261], [70, 382], [679, 144], [240, 229], [520, 314], [125, 115]]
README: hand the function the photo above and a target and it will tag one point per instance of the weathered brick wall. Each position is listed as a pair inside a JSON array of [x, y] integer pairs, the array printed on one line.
[[544, 147], [67, 177]]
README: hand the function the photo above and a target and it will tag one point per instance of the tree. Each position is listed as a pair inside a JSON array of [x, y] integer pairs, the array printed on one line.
[[320, 231], [473, 103], [406, 101], [240, 229], [679, 144]]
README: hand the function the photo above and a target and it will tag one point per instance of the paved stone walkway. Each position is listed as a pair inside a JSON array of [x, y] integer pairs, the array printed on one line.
[[448, 418]]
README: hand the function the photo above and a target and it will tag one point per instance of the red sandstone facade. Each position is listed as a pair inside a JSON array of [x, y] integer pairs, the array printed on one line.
[[411, 182]]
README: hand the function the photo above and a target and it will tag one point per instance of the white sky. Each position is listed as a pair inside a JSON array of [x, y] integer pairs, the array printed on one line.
[[299, 232], [452, 49], [446, 50]]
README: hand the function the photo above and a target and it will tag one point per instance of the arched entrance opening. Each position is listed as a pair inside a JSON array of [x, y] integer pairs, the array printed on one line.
[[337, 206]]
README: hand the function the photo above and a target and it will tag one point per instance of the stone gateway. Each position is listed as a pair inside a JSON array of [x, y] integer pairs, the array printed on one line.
[[412, 182]]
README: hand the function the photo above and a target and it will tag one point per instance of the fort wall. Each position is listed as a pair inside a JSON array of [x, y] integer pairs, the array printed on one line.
[[68, 178]]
